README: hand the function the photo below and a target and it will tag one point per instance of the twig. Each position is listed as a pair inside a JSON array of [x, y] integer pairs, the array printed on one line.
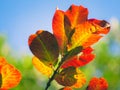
[[55, 72]]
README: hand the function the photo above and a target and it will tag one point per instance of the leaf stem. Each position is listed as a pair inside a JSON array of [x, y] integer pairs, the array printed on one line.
[[55, 72]]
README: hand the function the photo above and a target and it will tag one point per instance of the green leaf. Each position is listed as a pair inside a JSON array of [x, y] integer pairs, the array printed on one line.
[[0, 80], [44, 46]]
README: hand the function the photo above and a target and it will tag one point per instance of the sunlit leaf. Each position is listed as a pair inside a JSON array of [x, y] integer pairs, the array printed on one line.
[[97, 84], [64, 23], [2, 62], [41, 67], [88, 33], [76, 15], [80, 60], [10, 76], [44, 46], [58, 29], [79, 30]]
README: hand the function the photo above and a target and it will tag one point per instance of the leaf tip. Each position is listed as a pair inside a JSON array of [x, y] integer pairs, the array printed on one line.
[[39, 32], [31, 37]]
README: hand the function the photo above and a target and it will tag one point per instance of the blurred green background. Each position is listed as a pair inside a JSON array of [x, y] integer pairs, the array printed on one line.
[[106, 64], [20, 18]]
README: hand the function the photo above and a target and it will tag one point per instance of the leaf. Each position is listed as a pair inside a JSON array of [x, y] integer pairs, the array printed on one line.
[[2, 62], [73, 28], [44, 46], [76, 15], [63, 23], [71, 77], [58, 29], [81, 79], [88, 33], [9, 75], [80, 60], [97, 84], [66, 77], [41, 67]]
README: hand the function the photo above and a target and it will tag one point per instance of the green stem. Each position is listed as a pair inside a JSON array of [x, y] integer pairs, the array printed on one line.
[[53, 76]]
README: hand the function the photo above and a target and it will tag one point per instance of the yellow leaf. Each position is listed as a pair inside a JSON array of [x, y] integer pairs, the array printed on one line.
[[41, 67]]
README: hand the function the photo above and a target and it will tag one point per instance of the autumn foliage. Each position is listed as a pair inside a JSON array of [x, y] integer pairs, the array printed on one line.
[[97, 84], [9, 75], [61, 54]]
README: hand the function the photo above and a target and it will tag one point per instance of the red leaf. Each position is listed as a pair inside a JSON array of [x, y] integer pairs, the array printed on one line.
[[58, 28], [97, 84], [78, 61], [76, 15]]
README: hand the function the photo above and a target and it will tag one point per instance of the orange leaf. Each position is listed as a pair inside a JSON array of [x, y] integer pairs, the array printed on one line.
[[76, 15], [80, 60], [2, 62], [10, 75], [88, 33], [58, 28], [97, 84], [75, 29], [64, 22], [41, 67]]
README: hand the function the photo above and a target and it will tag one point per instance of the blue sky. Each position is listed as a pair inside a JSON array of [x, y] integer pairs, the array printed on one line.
[[20, 18]]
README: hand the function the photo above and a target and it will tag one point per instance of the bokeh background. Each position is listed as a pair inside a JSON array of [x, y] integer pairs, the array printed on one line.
[[20, 18]]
